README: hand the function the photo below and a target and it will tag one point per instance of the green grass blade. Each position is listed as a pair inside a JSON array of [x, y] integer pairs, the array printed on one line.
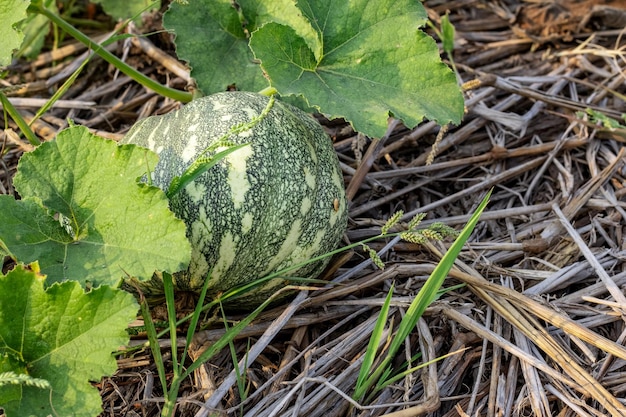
[[372, 347], [202, 163], [170, 302], [197, 168], [19, 120], [425, 296], [388, 381], [59, 93], [195, 318], [172, 393], [229, 336], [153, 340], [241, 385], [428, 292]]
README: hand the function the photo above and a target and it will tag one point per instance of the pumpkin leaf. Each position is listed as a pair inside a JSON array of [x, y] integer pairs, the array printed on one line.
[[212, 37], [362, 60], [35, 29], [84, 216], [61, 337], [224, 30], [11, 13], [375, 62]]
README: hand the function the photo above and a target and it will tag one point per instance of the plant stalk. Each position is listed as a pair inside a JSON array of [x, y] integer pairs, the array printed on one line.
[[147, 82]]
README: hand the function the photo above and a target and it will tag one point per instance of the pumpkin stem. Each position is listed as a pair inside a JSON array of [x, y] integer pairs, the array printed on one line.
[[268, 91]]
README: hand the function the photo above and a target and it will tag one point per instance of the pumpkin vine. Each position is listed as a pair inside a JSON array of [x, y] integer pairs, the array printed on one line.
[[203, 162]]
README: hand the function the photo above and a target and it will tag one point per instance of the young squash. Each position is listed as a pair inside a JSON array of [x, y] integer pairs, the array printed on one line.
[[277, 202]]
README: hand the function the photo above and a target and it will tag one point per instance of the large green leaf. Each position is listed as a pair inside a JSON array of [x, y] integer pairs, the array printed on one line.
[[375, 61], [11, 13], [285, 12], [85, 217], [60, 335], [360, 59], [35, 29], [212, 36]]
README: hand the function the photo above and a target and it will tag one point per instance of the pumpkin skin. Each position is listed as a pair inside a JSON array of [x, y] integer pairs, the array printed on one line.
[[277, 202]]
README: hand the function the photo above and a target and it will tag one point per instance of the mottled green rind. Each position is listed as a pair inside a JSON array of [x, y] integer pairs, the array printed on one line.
[[267, 206]]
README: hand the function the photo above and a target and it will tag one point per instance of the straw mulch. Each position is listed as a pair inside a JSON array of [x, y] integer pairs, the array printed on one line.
[[537, 329]]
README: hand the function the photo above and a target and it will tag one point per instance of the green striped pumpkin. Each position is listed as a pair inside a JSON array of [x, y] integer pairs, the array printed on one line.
[[276, 203]]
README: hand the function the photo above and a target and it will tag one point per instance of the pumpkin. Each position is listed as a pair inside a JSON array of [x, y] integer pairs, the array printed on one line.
[[275, 203]]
